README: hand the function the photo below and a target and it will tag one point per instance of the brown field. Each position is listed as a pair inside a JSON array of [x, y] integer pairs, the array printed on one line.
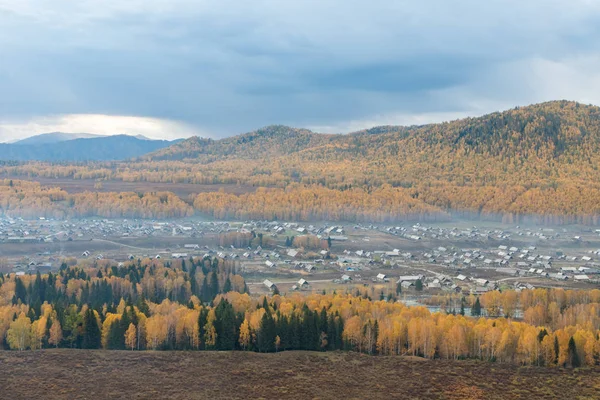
[[183, 190], [79, 374]]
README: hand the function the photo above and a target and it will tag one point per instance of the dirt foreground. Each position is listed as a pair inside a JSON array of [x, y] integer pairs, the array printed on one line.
[[80, 374]]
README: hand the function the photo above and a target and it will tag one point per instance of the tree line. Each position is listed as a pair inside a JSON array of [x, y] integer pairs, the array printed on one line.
[[94, 307]]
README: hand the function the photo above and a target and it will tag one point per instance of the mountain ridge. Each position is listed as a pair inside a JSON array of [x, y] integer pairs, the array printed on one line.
[[101, 148], [550, 127], [54, 137]]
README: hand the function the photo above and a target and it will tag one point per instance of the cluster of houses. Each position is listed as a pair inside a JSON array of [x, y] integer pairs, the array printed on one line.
[[18, 230], [335, 232], [419, 232]]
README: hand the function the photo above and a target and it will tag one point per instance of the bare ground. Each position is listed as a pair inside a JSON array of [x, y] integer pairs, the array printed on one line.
[[79, 374]]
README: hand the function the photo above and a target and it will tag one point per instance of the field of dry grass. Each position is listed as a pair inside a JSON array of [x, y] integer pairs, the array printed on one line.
[[78, 374], [183, 190]]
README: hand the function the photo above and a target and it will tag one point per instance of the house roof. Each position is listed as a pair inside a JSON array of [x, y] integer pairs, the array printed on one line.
[[268, 283]]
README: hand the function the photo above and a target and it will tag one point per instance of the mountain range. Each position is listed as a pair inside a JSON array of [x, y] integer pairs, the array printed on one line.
[[59, 146]]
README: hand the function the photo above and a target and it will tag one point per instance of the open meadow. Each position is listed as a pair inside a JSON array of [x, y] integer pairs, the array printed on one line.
[[81, 374]]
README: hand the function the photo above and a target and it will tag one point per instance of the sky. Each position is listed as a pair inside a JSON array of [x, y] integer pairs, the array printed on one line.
[[216, 68]]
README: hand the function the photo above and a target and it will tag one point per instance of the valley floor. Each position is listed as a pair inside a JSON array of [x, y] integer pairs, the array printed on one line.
[[80, 374]]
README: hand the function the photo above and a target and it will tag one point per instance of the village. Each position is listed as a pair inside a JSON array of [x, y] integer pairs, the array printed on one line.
[[412, 257]]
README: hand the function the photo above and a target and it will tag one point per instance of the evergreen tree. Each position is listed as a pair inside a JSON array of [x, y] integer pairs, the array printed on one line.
[[194, 285], [91, 331], [266, 334], [476, 309], [142, 305], [214, 285], [418, 285], [227, 285], [20, 291], [202, 319], [204, 291], [556, 349], [225, 326], [573, 356]]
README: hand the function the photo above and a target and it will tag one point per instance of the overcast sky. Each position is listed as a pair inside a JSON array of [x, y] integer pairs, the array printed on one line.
[[175, 68]]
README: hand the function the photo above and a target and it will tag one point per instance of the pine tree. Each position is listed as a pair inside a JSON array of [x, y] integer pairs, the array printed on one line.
[[418, 285], [214, 285], [20, 291], [91, 331], [205, 292], [227, 285], [476, 309], [225, 326], [202, 319], [266, 334], [573, 356]]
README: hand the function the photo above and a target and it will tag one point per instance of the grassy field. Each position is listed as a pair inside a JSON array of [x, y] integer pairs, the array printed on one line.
[[183, 190], [79, 374]]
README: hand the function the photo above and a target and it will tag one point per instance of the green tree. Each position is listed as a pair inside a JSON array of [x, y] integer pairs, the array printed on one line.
[[202, 320], [266, 333], [225, 326], [418, 285], [214, 285], [227, 285], [205, 291], [476, 309], [573, 356], [91, 331], [20, 291]]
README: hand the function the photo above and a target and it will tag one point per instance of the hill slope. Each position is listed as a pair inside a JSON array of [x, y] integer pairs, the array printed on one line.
[[58, 148], [270, 141]]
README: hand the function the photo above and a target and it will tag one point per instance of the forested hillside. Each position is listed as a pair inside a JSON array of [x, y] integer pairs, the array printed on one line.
[[538, 162]]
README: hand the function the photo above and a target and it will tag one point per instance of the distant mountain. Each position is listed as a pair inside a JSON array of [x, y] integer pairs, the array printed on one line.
[[55, 137], [58, 147]]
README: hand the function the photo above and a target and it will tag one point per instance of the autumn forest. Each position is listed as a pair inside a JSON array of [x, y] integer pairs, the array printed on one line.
[[200, 304], [536, 163]]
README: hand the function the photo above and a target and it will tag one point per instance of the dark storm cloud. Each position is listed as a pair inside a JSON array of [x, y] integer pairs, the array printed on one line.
[[231, 66]]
